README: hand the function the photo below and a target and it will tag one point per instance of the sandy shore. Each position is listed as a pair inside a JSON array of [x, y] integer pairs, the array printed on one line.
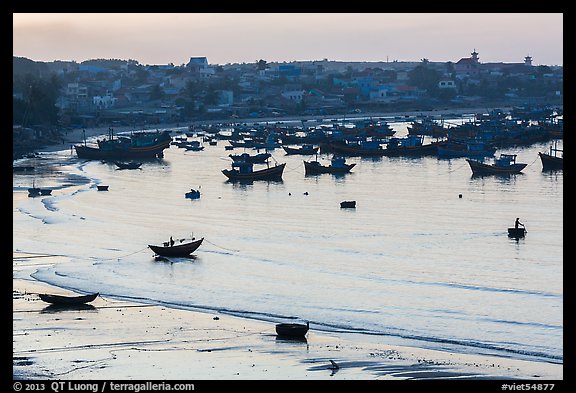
[[119, 340]]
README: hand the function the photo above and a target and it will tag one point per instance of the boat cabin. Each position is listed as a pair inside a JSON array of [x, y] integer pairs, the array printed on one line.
[[243, 166]]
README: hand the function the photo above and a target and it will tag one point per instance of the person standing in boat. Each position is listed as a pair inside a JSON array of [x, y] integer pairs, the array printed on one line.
[[171, 241], [517, 223]]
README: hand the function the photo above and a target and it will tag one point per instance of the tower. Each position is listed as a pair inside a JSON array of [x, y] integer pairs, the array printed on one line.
[[528, 61], [474, 57]]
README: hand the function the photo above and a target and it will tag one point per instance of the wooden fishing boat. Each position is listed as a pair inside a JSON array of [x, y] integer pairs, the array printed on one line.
[[552, 160], [504, 165], [176, 250], [245, 171], [145, 144], [259, 158], [305, 149], [128, 164], [292, 329], [516, 232], [337, 166], [68, 300]]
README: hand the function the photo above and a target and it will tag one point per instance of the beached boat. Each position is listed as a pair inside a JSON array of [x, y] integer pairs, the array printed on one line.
[[143, 144], [551, 160], [292, 329], [68, 300], [176, 250], [245, 171], [337, 166], [128, 164], [305, 149], [504, 165]]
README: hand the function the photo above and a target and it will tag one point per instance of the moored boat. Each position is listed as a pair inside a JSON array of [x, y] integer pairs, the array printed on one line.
[[259, 158], [170, 249], [305, 149], [337, 166], [504, 165], [143, 144], [245, 171], [551, 160]]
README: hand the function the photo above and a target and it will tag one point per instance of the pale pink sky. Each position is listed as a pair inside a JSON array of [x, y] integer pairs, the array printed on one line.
[[162, 38]]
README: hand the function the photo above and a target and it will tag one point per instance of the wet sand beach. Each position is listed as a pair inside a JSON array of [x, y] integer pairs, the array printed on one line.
[[113, 339]]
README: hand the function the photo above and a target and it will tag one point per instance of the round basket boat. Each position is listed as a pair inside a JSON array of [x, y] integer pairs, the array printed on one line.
[[292, 329]]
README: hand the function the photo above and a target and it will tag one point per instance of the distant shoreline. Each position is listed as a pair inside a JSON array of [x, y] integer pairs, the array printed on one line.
[[77, 135]]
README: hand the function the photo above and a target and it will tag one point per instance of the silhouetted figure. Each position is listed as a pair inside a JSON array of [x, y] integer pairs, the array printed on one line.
[[171, 241], [517, 223]]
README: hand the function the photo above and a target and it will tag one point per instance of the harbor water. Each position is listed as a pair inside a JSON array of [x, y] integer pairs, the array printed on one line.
[[424, 259]]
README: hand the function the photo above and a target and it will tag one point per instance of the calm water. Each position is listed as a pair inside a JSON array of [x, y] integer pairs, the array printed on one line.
[[413, 263]]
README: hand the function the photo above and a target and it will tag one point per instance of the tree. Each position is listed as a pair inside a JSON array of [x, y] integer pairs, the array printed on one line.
[[261, 65], [38, 106]]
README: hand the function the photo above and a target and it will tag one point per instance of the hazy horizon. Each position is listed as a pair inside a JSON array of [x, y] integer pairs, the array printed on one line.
[[223, 38]]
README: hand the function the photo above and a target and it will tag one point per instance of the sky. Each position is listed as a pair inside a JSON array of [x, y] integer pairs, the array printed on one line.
[[223, 38]]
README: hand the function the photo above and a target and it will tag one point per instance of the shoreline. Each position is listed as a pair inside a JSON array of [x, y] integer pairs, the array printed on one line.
[[118, 339]]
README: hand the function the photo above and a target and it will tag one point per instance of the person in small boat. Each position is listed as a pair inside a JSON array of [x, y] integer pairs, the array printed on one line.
[[171, 241], [517, 223]]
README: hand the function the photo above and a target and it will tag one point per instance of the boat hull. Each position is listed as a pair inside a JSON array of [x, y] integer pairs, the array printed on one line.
[[516, 232], [480, 168], [550, 162], [296, 330], [180, 250], [316, 169], [68, 300]]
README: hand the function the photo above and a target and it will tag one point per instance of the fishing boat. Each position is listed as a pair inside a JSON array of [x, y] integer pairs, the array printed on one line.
[[297, 330], [143, 144], [411, 145], [170, 249], [348, 204], [462, 148], [128, 164], [68, 300], [245, 171], [259, 158], [102, 187], [505, 164], [516, 232], [363, 148], [551, 160], [337, 166], [192, 194], [305, 149]]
